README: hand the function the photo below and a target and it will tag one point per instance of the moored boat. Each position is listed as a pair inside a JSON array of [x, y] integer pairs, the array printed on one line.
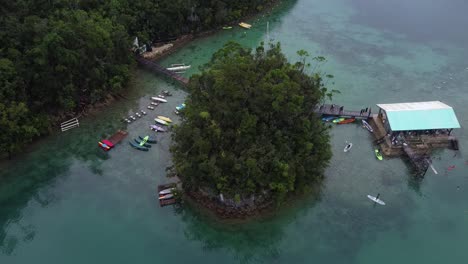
[[179, 68], [157, 128], [167, 196], [136, 146], [328, 118], [162, 122], [155, 98], [150, 107], [378, 155], [338, 120], [167, 119], [142, 143], [245, 25], [180, 107], [367, 126], [149, 139], [347, 121], [166, 191]]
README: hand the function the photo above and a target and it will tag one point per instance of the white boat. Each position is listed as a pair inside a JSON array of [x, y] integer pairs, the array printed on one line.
[[167, 196], [348, 147], [162, 122], [150, 107], [158, 99], [166, 191], [179, 68], [367, 126], [375, 199]]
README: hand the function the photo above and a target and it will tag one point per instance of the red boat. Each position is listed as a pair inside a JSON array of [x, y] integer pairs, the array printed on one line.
[[347, 121]]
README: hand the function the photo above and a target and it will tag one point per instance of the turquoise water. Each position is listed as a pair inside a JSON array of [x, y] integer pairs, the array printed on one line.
[[65, 201]]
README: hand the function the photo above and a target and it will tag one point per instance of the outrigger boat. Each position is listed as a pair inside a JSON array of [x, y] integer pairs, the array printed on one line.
[[367, 126], [157, 128], [162, 122], [148, 139], [167, 119], [155, 98]]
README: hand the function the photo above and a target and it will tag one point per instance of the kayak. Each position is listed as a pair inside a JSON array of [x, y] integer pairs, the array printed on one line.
[[157, 128], [378, 154], [347, 121], [141, 143], [180, 107], [377, 200], [167, 119], [166, 191], [338, 120], [348, 147], [150, 139], [245, 25], [367, 126], [227, 27], [328, 118], [136, 146], [158, 99], [167, 196], [162, 122]]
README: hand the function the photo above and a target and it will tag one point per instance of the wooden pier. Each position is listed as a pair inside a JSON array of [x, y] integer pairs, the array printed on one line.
[[339, 111], [165, 202], [159, 69], [118, 136]]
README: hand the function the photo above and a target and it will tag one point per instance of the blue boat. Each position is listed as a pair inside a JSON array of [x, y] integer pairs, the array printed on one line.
[[136, 146], [328, 118], [180, 107]]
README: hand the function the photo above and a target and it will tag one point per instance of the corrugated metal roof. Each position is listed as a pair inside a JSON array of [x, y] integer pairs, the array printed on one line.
[[420, 116]]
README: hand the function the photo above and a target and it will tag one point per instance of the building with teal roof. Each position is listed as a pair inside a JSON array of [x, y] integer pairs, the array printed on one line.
[[422, 117]]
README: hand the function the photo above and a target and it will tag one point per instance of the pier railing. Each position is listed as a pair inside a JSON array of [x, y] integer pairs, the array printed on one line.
[[158, 68], [69, 124]]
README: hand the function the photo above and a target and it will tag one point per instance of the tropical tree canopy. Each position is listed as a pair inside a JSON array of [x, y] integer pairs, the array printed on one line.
[[249, 128]]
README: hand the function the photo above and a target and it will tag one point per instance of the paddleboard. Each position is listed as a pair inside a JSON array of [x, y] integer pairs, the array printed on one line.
[[159, 99], [378, 155], [367, 126], [167, 119], [376, 200], [162, 122]]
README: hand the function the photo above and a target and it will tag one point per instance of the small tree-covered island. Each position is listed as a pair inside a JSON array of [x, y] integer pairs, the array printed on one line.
[[249, 138]]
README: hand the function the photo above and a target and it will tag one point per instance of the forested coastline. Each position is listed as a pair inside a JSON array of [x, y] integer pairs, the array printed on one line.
[[59, 56]]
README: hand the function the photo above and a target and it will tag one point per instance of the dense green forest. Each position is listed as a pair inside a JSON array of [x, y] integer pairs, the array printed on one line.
[[249, 129], [57, 56]]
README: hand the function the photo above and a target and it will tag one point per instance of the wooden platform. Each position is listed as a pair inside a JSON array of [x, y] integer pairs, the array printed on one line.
[[339, 111], [159, 69], [118, 136]]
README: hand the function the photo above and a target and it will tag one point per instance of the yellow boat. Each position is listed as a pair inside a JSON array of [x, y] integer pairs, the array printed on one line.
[[167, 119], [245, 25]]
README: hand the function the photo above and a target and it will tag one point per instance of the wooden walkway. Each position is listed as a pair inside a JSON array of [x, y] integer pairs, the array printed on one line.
[[118, 136], [158, 68], [337, 110]]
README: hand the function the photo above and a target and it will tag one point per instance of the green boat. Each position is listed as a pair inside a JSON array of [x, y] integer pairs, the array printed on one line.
[[136, 146], [141, 143], [149, 140], [338, 120], [378, 154]]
